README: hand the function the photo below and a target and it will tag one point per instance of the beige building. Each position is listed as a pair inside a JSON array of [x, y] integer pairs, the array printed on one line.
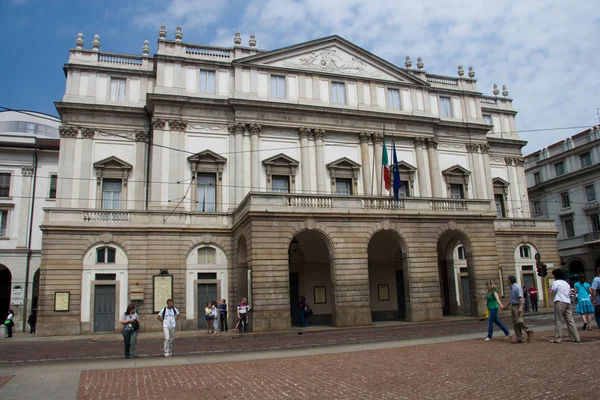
[[205, 172]]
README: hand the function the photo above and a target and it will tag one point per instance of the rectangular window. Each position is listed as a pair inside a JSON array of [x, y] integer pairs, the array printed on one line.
[[207, 255], [569, 229], [500, 212], [278, 86], [590, 192], [117, 89], [338, 93], [560, 168], [207, 192], [537, 208], [4, 184], [111, 194], [343, 186], [537, 178], [445, 106], [207, 276], [393, 99], [207, 82], [595, 220], [586, 159], [53, 184], [404, 189], [280, 184], [3, 223], [106, 277], [565, 201], [456, 191]]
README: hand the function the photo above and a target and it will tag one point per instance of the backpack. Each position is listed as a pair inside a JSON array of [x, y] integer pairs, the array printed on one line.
[[162, 312]]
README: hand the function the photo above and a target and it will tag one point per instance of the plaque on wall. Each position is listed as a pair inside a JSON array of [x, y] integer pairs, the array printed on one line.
[[62, 301], [163, 290], [320, 295], [383, 292]]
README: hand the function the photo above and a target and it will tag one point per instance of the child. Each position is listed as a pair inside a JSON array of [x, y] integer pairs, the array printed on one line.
[[208, 313], [223, 314]]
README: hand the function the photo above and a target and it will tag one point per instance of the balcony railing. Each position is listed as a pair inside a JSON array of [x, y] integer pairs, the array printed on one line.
[[591, 237], [442, 80], [106, 216]]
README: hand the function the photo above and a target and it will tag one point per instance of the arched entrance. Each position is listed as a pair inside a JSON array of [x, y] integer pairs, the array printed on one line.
[[310, 274], [387, 276], [457, 287], [5, 290], [576, 268]]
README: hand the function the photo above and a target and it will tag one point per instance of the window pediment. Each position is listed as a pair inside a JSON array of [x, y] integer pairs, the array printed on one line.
[[113, 168], [207, 161], [280, 160], [344, 164], [499, 182], [281, 164], [456, 170]]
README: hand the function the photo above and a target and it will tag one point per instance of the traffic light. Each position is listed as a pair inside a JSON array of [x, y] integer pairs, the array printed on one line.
[[538, 266], [544, 270]]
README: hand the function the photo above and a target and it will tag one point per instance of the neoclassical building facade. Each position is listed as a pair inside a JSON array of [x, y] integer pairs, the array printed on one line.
[[203, 172]]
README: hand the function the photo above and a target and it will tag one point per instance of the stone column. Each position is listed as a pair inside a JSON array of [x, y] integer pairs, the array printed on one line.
[[86, 168], [419, 143], [378, 140], [520, 172], [255, 130], [320, 143], [485, 150], [364, 138], [476, 184], [304, 133], [514, 203], [21, 221], [138, 186], [174, 164], [434, 168], [239, 163], [158, 126], [68, 137]]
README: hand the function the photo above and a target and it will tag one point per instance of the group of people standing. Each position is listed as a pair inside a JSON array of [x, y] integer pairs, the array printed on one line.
[[586, 296], [216, 312]]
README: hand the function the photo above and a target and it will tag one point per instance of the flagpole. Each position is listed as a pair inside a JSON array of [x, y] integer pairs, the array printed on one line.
[[381, 177], [373, 169]]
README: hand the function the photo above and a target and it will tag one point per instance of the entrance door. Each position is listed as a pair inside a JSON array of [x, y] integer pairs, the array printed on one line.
[[466, 298], [207, 292], [104, 308], [295, 298], [400, 294]]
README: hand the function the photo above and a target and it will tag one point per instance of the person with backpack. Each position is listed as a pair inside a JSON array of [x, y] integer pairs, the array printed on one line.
[[242, 311], [9, 323], [223, 315], [131, 324], [168, 316]]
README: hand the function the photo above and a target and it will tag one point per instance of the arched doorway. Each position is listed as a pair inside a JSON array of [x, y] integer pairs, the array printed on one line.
[[576, 268], [457, 287], [5, 290], [310, 274], [387, 276], [35, 292]]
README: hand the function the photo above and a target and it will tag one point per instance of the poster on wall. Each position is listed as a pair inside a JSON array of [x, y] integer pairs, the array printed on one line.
[[62, 301], [383, 292], [320, 295], [163, 290], [18, 294]]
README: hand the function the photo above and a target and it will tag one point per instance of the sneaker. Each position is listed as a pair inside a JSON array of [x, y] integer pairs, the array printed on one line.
[[529, 336], [166, 355], [507, 337], [517, 341], [584, 327], [555, 341], [487, 339]]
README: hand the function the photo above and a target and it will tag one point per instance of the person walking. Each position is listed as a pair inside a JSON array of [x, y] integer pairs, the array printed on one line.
[[32, 320], [215, 316], [223, 315], [516, 301], [533, 297], [493, 300], [584, 302], [9, 323], [131, 324], [562, 307], [208, 315], [596, 296], [168, 316], [242, 311]]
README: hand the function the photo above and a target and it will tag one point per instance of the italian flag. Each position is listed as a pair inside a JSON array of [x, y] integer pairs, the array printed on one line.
[[386, 170]]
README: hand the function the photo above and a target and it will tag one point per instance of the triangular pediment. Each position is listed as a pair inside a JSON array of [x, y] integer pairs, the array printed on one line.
[[404, 166], [207, 156], [112, 162], [343, 162], [332, 55], [456, 170], [500, 182], [280, 159]]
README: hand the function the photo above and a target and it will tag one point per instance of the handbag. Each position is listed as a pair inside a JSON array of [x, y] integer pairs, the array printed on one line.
[[308, 310], [136, 325], [487, 313]]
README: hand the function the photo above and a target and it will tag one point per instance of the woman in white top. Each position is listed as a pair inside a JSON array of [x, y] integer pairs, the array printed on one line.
[[9, 323]]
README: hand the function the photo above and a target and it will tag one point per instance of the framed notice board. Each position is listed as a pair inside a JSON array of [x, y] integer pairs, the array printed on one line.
[[162, 290], [62, 301]]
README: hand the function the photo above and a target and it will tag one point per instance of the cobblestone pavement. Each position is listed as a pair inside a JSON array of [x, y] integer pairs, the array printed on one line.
[[471, 369], [19, 352], [4, 380]]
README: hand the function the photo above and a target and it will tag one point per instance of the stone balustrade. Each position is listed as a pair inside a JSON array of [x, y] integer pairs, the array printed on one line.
[[442, 80], [207, 52], [591, 237]]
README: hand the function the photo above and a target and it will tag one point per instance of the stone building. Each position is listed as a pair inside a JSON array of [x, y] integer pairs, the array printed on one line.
[[28, 180], [204, 172], [562, 182]]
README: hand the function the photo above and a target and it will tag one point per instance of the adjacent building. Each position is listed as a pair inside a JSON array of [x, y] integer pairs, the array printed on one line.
[[202, 172], [29, 144], [563, 181]]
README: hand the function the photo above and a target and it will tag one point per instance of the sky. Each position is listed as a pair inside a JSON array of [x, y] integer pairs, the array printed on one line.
[[546, 52]]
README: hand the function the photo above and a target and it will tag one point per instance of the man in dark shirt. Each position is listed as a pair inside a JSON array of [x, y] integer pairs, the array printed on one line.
[[223, 315]]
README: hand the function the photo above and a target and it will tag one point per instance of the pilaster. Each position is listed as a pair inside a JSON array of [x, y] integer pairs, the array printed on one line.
[[21, 224], [255, 130], [434, 168], [320, 146], [424, 189], [378, 142], [364, 138], [304, 134], [158, 127]]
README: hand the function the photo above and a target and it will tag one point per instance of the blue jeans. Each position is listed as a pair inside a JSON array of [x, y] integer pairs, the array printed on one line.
[[493, 319], [303, 319]]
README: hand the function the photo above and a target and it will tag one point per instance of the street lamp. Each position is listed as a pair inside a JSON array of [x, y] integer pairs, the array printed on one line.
[[294, 245]]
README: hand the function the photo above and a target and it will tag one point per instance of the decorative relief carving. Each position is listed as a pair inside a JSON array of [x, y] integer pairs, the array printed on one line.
[[237, 128], [454, 146], [432, 143], [26, 170], [121, 134], [67, 131], [282, 133], [158, 123], [519, 161], [329, 60], [319, 134], [304, 132], [364, 137], [485, 148], [419, 141], [472, 147], [255, 129], [87, 133], [141, 136], [377, 137], [178, 125], [497, 160], [208, 127], [509, 161]]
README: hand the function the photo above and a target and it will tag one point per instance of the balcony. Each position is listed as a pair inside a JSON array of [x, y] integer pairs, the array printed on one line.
[[593, 237], [524, 224]]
